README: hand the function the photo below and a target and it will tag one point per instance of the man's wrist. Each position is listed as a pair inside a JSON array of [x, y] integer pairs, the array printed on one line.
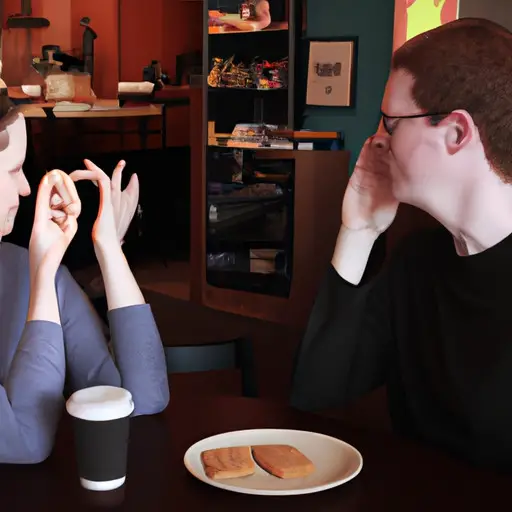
[[352, 251]]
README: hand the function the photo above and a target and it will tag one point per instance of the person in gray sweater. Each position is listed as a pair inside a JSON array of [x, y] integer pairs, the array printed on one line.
[[51, 338]]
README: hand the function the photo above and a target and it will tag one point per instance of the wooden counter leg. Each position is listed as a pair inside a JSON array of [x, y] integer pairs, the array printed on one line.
[[143, 131]]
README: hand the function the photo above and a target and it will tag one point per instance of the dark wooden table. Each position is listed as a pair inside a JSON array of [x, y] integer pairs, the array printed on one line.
[[397, 475]]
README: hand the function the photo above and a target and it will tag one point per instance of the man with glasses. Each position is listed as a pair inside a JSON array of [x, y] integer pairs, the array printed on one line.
[[434, 325]]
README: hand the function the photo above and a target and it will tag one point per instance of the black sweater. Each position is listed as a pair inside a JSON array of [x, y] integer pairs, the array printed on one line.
[[436, 328]]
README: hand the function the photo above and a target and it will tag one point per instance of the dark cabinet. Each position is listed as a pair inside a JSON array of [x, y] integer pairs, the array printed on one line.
[[266, 202]]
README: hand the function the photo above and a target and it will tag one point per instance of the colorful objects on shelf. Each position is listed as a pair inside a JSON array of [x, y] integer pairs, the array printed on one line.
[[261, 74]]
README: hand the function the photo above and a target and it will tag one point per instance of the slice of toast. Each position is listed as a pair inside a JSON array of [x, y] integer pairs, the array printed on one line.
[[223, 463], [282, 460]]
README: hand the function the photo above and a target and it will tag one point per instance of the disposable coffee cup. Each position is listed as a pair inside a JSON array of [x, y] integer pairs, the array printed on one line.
[[101, 417]]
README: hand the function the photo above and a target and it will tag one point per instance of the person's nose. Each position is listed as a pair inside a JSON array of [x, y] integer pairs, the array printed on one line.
[[23, 186], [380, 142]]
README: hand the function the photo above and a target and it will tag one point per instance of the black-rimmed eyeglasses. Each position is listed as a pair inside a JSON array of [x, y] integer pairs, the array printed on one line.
[[390, 122]]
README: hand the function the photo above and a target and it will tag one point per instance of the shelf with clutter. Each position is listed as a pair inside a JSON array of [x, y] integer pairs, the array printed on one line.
[[249, 16], [264, 136], [259, 75], [262, 183], [249, 75]]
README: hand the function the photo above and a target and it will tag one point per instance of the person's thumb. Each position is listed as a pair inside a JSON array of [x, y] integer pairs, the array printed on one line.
[[42, 210]]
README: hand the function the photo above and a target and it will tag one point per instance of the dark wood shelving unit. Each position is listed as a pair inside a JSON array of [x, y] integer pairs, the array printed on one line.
[[319, 176]]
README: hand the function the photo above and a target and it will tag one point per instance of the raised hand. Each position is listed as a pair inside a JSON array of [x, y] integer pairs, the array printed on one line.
[[369, 203], [55, 223], [117, 207]]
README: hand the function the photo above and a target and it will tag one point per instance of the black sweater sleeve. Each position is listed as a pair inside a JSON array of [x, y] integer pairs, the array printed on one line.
[[345, 350]]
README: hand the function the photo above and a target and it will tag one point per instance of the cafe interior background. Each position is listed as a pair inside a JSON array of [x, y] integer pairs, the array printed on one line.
[[168, 244]]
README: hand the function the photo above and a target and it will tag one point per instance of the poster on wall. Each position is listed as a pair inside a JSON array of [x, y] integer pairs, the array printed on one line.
[[413, 17], [330, 73]]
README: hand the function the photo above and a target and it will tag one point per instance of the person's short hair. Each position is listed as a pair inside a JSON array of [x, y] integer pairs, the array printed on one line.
[[466, 64]]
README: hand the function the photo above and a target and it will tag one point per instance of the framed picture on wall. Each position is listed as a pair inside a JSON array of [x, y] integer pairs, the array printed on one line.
[[331, 72]]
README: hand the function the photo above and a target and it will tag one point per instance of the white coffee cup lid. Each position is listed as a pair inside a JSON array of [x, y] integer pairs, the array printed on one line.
[[100, 403]]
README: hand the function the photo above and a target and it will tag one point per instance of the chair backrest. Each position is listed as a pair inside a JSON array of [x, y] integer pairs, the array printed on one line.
[[226, 355]]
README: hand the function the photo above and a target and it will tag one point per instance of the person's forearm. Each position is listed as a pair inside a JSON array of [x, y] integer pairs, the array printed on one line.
[[353, 248], [140, 357], [43, 303], [32, 397], [137, 345], [121, 288]]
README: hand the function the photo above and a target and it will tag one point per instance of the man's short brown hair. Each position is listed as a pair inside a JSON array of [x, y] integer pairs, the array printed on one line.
[[466, 64]]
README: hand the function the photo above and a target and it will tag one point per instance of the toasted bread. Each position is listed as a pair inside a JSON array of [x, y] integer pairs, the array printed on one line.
[[223, 463], [282, 460]]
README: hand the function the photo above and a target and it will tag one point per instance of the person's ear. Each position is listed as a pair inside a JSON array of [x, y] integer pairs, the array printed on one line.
[[460, 130]]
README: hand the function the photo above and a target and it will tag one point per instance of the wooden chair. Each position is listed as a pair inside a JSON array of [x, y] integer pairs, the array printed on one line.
[[225, 355]]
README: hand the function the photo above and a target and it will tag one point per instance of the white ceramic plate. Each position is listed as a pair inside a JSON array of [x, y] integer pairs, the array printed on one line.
[[336, 462]]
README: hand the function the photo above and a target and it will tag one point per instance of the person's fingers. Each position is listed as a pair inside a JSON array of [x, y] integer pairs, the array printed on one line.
[[72, 200], [117, 175], [95, 174], [58, 216], [70, 227], [65, 188], [93, 167], [84, 174], [80, 175], [43, 198], [56, 200], [103, 183], [133, 188], [57, 178], [105, 195]]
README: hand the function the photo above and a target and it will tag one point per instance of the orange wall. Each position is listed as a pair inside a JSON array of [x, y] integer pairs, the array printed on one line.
[[157, 30], [58, 11], [160, 30], [65, 30], [60, 29], [180, 37], [141, 36], [104, 20], [131, 33], [148, 29]]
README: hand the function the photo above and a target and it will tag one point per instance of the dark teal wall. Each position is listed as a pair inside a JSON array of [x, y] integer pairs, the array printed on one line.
[[372, 22]]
